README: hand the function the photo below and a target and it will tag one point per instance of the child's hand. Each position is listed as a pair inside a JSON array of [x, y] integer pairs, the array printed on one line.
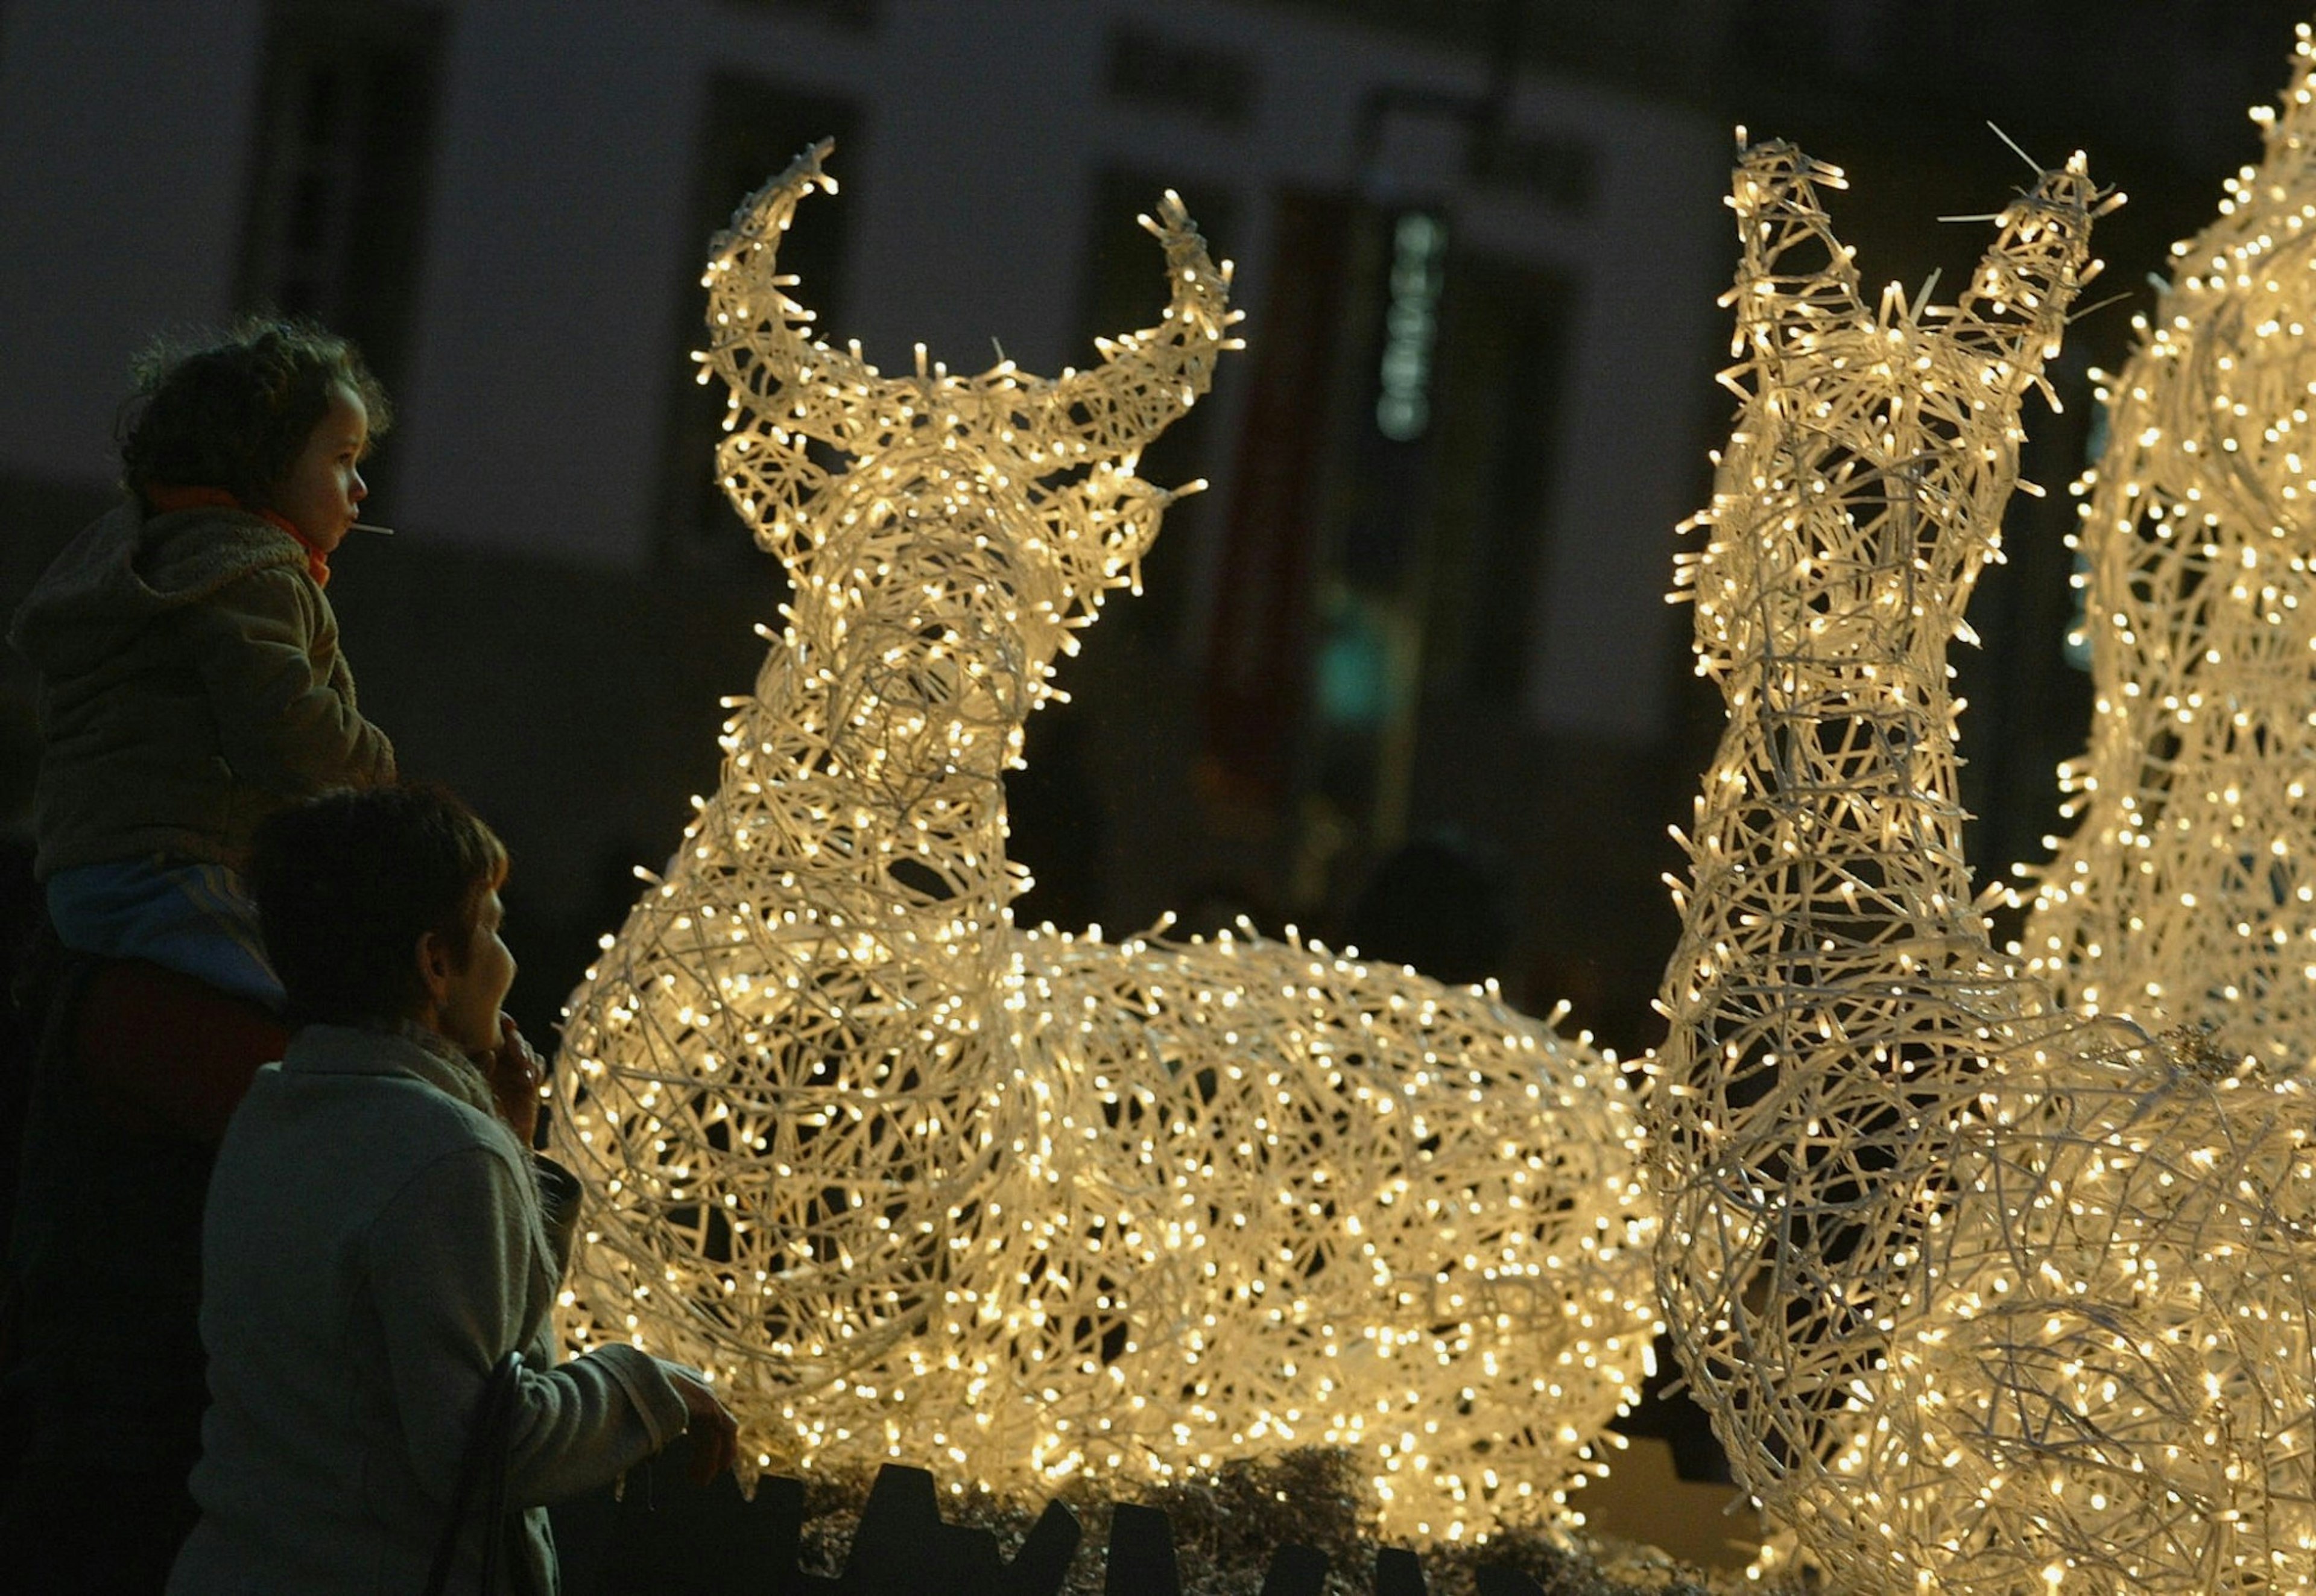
[[514, 1072]]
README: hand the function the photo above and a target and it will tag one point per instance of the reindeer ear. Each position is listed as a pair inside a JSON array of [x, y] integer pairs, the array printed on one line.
[[2038, 261], [1795, 278], [1798, 284]]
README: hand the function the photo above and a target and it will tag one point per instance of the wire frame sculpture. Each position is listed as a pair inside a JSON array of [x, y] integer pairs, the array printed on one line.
[[2186, 893], [914, 1185], [1983, 1297]]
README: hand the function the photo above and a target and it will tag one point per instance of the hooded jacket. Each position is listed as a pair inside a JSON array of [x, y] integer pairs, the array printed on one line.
[[190, 683]]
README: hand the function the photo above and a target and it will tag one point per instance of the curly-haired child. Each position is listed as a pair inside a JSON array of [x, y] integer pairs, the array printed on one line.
[[190, 679]]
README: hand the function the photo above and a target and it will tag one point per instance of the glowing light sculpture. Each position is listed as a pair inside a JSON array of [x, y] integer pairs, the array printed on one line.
[[1983, 1297], [2186, 893], [913, 1183]]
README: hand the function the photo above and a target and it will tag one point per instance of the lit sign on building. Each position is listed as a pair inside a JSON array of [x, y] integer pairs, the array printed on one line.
[[1412, 326]]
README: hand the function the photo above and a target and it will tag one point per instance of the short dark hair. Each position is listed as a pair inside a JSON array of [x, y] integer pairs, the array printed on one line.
[[348, 882], [233, 410]]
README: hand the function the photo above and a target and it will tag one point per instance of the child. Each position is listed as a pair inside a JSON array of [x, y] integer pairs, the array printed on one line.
[[190, 682]]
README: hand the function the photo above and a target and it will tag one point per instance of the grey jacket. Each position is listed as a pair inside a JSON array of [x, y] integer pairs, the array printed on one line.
[[191, 683], [375, 1242]]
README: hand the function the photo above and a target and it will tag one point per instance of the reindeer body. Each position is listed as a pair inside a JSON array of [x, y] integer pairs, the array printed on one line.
[[2185, 895], [1984, 1298], [917, 1184]]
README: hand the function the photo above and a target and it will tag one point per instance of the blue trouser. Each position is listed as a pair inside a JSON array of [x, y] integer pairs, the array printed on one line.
[[191, 917]]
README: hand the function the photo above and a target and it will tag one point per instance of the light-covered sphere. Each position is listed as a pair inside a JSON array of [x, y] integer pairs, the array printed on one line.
[[915, 1184]]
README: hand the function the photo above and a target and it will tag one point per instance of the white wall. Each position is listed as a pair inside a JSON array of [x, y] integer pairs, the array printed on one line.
[[551, 324], [124, 131]]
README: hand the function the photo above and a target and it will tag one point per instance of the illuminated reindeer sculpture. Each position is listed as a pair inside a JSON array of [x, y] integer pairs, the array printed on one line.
[[2186, 894], [914, 1183], [1983, 1298]]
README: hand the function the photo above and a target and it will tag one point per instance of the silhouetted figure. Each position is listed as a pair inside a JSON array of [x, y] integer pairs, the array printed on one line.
[[136, 1071], [191, 683]]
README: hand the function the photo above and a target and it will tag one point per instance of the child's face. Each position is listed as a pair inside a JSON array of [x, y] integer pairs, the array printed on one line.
[[320, 491]]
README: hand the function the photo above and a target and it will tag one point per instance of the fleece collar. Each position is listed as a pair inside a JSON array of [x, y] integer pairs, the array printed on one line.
[[168, 500], [409, 1050]]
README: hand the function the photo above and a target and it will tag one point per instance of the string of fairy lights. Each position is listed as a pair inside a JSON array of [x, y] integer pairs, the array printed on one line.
[[1025, 1206], [1984, 1295]]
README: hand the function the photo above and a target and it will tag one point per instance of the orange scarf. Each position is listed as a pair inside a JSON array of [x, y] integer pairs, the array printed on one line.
[[167, 501]]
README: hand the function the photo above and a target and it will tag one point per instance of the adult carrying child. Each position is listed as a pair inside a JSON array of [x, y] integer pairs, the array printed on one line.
[[191, 683]]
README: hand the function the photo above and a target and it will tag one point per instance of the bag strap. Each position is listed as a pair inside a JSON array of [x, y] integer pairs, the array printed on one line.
[[486, 1451]]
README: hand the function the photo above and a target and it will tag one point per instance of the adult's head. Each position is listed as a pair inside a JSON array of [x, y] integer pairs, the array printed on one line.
[[236, 412], [380, 905]]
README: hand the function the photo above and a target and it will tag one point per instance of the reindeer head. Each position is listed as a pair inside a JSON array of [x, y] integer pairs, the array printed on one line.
[[1863, 487], [998, 509]]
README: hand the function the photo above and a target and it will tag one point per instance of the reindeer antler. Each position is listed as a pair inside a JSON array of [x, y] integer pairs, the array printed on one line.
[[1147, 379], [760, 347], [787, 385]]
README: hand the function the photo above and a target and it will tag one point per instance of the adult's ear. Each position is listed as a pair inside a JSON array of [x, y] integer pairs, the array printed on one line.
[[437, 964]]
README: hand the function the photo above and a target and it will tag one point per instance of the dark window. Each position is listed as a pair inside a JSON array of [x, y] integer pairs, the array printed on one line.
[[338, 190], [1125, 289], [1193, 80], [753, 130], [1498, 406], [1271, 545]]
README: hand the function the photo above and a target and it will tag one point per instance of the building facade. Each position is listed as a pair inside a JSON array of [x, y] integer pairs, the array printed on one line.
[[1443, 478]]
